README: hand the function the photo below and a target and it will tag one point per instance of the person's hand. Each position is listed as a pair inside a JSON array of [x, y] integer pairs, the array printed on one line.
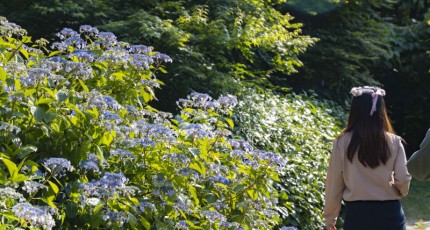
[[331, 228]]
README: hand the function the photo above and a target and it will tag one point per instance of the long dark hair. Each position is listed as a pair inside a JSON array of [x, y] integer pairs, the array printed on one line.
[[368, 131]]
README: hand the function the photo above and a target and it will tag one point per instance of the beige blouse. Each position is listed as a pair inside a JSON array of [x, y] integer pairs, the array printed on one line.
[[353, 181]]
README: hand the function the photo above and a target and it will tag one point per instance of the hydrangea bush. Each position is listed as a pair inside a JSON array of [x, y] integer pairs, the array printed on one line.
[[301, 128], [82, 149]]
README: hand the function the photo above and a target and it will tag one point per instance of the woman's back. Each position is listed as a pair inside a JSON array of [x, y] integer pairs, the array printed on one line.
[[367, 168], [389, 181]]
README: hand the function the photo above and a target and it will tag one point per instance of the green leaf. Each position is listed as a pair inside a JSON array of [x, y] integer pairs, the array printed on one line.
[[49, 201], [54, 53], [132, 220], [54, 187], [145, 223], [39, 112], [147, 97], [198, 166], [230, 122], [44, 100], [195, 151], [24, 53], [253, 194], [25, 151], [193, 192], [19, 178], [10, 215], [84, 86], [10, 166], [119, 76]]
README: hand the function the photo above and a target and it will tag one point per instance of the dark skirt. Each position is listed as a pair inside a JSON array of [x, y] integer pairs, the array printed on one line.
[[374, 215]]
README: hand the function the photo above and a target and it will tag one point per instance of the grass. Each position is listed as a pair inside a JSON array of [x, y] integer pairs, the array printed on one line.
[[416, 204]]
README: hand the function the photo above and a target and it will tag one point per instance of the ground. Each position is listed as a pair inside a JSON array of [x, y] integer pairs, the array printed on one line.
[[417, 206]]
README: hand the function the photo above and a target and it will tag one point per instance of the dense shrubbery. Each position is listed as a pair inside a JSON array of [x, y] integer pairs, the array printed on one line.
[[81, 148], [212, 41], [301, 129]]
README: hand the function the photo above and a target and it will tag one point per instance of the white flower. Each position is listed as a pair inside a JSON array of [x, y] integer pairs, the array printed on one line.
[[356, 91]]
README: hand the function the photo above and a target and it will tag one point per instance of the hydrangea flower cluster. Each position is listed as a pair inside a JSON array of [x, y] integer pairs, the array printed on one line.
[[58, 166], [150, 169], [204, 101], [11, 194], [36, 217], [109, 186], [90, 165], [33, 186], [9, 29]]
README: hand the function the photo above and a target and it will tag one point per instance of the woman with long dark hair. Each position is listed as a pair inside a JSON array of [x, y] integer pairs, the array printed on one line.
[[367, 168]]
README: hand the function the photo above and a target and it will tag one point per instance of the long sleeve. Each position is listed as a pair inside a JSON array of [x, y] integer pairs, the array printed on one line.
[[401, 176], [418, 164], [334, 187]]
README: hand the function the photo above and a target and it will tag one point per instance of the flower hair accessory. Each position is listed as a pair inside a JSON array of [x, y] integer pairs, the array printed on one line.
[[373, 91]]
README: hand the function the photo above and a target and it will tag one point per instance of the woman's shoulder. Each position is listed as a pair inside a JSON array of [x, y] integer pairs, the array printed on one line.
[[344, 138], [394, 138]]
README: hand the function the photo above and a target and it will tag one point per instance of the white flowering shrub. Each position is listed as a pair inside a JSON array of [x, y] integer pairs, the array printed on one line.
[[301, 128], [82, 149]]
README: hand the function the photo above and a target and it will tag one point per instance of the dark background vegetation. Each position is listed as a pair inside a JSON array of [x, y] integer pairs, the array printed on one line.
[[334, 45]]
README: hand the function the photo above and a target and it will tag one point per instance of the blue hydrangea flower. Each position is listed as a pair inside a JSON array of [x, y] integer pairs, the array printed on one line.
[[160, 57], [83, 55], [10, 193], [214, 216], [66, 33], [33, 186], [231, 225], [182, 225], [89, 30], [107, 39], [89, 166], [220, 179], [58, 166], [37, 217], [177, 158], [115, 217], [145, 206], [227, 102], [140, 61], [140, 49], [79, 70], [122, 154], [288, 228], [110, 185]]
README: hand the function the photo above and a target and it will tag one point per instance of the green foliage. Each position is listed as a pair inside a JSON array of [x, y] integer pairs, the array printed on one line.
[[365, 42], [354, 39], [301, 128], [82, 149], [212, 43]]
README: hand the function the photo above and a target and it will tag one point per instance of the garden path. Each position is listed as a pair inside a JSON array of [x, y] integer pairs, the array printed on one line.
[[421, 225]]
